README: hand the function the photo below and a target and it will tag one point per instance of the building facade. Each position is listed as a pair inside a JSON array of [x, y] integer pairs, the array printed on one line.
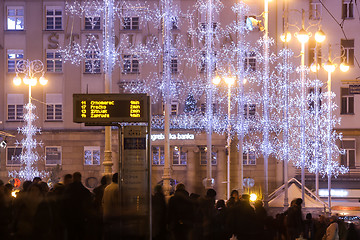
[[35, 29]]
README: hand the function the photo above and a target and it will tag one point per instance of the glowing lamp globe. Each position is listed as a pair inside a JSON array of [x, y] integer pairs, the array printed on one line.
[[17, 80], [216, 80], [26, 80], [344, 67], [43, 81], [320, 36], [285, 37], [33, 81], [314, 68], [253, 197], [230, 80], [303, 36], [329, 67]]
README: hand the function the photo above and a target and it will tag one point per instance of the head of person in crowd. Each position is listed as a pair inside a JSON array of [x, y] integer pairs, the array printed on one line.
[[180, 187], [26, 185], [194, 196], [258, 204], [211, 193], [104, 181], [44, 187], [245, 197], [235, 194], [333, 218], [76, 177], [36, 180], [220, 204], [34, 192], [158, 189], [115, 178], [308, 216], [8, 189], [68, 179]]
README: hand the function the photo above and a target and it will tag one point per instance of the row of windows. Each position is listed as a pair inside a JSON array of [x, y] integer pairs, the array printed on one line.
[[15, 107], [179, 156], [347, 10], [53, 155]]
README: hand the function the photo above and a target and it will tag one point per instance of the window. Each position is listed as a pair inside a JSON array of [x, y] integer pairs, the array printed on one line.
[[249, 111], [249, 158], [174, 64], [14, 56], [13, 155], [348, 9], [53, 18], [131, 23], [179, 157], [92, 155], [15, 18], [203, 108], [92, 61], [348, 159], [15, 106], [347, 102], [312, 46], [53, 61], [92, 23], [315, 10], [53, 155], [131, 64], [348, 50], [174, 23], [313, 99], [174, 108], [53, 107], [250, 61], [203, 64], [203, 160], [158, 155]]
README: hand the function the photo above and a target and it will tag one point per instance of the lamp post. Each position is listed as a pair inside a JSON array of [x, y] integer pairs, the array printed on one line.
[[330, 68], [28, 72], [303, 37], [229, 80]]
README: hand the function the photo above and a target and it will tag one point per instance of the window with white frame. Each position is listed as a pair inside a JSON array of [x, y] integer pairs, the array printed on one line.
[[203, 108], [15, 107], [15, 18], [158, 155], [131, 23], [53, 107], [131, 64], [348, 50], [179, 156], [53, 155], [347, 102], [313, 97], [92, 155], [13, 57], [203, 20], [53, 61], [13, 155], [174, 64], [348, 9], [92, 23], [315, 10], [174, 108], [249, 111], [54, 18], [249, 158], [349, 158], [92, 61], [250, 61], [203, 153], [174, 22]]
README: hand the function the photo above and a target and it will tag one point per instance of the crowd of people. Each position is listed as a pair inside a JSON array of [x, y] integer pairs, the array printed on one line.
[[69, 211]]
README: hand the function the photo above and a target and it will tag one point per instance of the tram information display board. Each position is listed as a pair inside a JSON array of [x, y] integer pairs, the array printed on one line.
[[108, 108]]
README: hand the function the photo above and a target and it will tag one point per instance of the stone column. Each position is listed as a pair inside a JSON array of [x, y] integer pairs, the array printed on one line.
[[192, 166], [220, 175]]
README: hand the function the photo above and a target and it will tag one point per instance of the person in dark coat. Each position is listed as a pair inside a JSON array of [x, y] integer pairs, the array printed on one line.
[[260, 219], [245, 219], [159, 213], [294, 221], [98, 196], [221, 229], [180, 214], [352, 233], [309, 227], [208, 213], [77, 208]]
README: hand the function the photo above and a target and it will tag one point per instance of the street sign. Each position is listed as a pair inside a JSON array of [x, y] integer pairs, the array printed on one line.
[[110, 108], [354, 89]]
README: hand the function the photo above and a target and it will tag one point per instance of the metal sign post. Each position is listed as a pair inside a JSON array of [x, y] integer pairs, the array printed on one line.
[[131, 114]]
